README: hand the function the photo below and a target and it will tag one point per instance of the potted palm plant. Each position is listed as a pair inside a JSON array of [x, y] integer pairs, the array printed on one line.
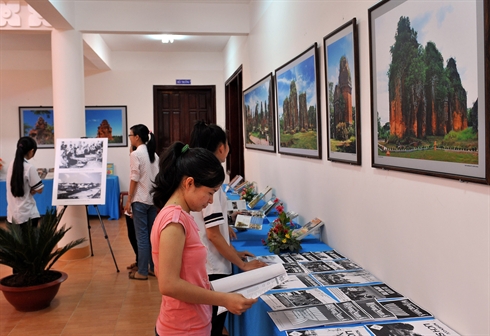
[[31, 252]]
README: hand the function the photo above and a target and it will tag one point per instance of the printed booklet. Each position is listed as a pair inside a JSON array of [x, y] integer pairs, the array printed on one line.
[[307, 228], [330, 265], [237, 205], [328, 315], [233, 183], [343, 278], [363, 292], [297, 281], [426, 327], [248, 222], [337, 331], [251, 284], [405, 309], [296, 299]]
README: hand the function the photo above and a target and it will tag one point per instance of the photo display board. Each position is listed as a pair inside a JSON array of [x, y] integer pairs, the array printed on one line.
[[80, 171]]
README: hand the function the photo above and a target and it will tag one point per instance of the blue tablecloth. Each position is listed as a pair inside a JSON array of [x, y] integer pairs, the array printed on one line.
[[43, 201], [256, 321]]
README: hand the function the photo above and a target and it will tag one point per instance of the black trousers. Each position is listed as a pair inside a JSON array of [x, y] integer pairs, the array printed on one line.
[[132, 235], [217, 321]]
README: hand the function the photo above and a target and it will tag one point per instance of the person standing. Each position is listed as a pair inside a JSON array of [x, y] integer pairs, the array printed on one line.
[[213, 220], [187, 180], [23, 182], [144, 167]]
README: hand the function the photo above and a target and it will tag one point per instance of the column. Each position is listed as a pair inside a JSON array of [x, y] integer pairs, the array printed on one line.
[[69, 120]]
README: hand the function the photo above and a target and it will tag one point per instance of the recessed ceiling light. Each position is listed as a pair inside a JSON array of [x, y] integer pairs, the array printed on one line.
[[167, 38]]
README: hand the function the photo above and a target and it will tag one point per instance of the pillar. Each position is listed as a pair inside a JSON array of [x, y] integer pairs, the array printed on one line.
[[69, 120]]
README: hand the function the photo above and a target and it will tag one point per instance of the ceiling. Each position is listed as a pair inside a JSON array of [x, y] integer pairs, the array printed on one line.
[[32, 41]]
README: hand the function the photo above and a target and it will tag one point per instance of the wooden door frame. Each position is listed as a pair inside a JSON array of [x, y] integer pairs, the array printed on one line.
[[234, 123]]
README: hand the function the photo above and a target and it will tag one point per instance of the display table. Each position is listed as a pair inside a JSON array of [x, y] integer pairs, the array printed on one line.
[[256, 321], [44, 200]]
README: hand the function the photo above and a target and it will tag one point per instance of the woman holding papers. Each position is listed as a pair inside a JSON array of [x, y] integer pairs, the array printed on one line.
[[213, 220], [23, 182], [186, 182]]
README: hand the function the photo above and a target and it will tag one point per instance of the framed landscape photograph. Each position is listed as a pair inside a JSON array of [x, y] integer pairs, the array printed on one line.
[[430, 86], [298, 106], [38, 123], [258, 115], [107, 122], [343, 95]]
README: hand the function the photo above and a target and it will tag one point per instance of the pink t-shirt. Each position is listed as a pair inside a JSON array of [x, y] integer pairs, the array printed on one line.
[[177, 317]]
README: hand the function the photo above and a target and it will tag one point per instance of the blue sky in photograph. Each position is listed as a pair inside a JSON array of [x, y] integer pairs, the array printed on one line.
[[94, 117], [304, 75], [30, 119], [342, 47], [257, 95], [452, 26]]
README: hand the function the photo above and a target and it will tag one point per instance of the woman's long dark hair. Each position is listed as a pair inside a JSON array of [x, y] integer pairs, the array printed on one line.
[[147, 137], [207, 136], [178, 162], [24, 145]]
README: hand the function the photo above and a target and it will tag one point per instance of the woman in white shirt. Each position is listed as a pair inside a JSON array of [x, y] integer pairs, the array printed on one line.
[[23, 182], [144, 167]]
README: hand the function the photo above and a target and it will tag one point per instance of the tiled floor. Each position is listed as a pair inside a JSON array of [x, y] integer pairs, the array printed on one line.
[[95, 299]]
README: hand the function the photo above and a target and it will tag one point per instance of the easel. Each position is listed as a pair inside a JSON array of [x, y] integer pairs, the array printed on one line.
[[89, 234]]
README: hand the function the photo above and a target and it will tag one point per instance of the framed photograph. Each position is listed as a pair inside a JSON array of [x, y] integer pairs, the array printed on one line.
[[38, 123], [258, 115], [429, 87], [107, 122], [298, 106], [343, 95]]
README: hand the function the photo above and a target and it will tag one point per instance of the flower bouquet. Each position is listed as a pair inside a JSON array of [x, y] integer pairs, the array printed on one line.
[[280, 237], [248, 193]]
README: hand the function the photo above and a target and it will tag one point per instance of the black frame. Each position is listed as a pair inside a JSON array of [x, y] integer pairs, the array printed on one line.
[[344, 33], [264, 84], [283, 144], [428, 161], [121, 111], [37, 110]]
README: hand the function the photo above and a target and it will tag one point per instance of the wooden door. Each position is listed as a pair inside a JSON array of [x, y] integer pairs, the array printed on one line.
[[235, 164], [177, 108]]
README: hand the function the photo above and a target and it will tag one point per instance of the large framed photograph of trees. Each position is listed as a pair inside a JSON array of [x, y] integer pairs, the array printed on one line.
[[430, 87], [343, 107], [258, 115], [298, 106]]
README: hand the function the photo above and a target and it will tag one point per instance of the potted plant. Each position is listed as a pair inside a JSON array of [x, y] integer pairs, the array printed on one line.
[[31, 252], [280, 238]]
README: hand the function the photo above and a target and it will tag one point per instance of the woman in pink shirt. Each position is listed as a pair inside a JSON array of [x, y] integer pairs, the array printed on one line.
[[187, 181]]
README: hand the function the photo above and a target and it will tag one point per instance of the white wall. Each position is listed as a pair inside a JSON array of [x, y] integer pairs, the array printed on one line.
[[427, 237]]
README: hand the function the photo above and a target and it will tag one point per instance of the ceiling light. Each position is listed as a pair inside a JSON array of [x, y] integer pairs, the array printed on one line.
[[167, 39]]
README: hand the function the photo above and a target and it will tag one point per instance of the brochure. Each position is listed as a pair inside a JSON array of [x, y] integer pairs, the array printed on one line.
[[269, 206], [258, 197], [336, 331], [327, 315], [363, 292], [297, 281], [237, 205], [426, 327], [405, 309], [307, 228], [248, 222], [42, 172], [323, 255], [375, 310], [251, 284], [346, 277], [233, 183], [295, 299]]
